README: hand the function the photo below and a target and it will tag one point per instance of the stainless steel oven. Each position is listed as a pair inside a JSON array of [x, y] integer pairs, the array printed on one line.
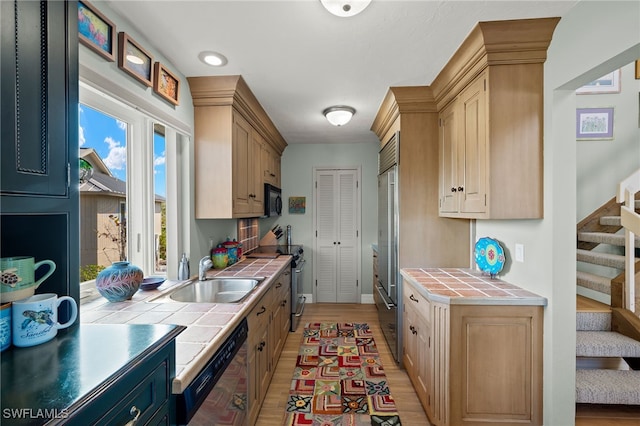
[[218, 395]]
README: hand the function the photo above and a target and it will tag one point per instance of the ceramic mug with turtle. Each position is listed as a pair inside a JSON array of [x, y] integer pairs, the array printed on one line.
[[17, 276], [35, 319]]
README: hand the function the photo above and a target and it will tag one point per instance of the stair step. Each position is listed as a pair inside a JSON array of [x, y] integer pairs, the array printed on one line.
[[611, 221], [594, 282], [606, 344], [608, 387], [593, 321], [604, 259], [605, 238]]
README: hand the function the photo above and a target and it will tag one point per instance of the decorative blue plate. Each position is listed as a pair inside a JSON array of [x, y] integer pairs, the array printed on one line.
[[151, 283], [489, 256]]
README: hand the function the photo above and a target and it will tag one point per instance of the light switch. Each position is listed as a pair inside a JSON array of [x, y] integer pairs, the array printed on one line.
[[519, 252]]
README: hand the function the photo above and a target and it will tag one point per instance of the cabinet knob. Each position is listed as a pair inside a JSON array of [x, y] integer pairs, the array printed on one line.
[[453, 190], [278, 285], [460, 189]]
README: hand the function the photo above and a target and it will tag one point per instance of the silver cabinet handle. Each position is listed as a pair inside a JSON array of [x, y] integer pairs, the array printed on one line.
[[384, 298], [135, 411]]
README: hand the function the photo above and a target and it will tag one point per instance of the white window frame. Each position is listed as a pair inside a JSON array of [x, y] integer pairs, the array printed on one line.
[[140, 193]]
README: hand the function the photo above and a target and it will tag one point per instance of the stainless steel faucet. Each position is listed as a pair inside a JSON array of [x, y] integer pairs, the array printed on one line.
[[203, 265]]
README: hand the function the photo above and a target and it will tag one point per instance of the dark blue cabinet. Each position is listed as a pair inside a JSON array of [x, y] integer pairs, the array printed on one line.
[[39, 128]]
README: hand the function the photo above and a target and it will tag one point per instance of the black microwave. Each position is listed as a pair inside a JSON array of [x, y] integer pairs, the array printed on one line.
[[272, 200]]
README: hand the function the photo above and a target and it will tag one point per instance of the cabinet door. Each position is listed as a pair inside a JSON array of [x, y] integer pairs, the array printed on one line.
[[448, 160], [472, 158], [409, 349], [256, 190], [37, 126], [242, 162]]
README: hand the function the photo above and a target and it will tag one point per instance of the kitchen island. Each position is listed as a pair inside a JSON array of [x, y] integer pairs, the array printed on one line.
[[473, 347]]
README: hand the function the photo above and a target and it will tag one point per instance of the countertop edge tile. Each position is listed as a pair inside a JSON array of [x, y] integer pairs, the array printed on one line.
[[420, 278]]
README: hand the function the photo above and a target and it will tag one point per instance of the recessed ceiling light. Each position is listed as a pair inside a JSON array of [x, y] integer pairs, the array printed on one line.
[[345, 8], [214, 59]]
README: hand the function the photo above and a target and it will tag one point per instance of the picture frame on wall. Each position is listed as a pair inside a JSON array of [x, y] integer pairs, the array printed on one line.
[[638, 69], [608, 83], [297, 205], [165, 83], [135, 60], [594, 123], [96, 31]]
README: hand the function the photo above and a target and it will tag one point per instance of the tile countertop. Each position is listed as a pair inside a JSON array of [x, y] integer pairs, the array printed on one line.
[[208, 324], [468, 287]]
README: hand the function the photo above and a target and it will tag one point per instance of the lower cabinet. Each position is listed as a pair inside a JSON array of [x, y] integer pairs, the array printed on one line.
[[474, 364], [416, 335], [268, 330]]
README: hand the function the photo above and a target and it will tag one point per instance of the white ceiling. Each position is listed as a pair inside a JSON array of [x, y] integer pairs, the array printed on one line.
[[298, 59]]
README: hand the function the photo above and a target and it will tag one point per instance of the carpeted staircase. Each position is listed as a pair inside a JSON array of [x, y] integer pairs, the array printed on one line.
[[603, 376], [600, 252], [605, 358]]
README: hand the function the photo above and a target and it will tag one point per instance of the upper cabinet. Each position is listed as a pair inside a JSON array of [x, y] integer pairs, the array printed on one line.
[[39, 190], [237, 149], [412, 112], [490, 121]]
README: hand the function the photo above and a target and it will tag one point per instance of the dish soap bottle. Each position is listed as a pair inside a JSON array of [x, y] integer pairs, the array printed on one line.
[[183, 268]]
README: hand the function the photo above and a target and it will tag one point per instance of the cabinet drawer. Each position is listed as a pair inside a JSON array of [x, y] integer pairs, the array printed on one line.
[[416, 300]]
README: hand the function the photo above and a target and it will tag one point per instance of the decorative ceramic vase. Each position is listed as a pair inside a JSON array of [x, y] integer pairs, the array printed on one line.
[[119, 281], [220, 257]]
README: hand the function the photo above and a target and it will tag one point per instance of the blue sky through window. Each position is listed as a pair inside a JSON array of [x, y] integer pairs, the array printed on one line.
[[107, 136]]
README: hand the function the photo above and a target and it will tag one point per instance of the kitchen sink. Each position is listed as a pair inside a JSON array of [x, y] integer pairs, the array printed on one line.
[[215, 290]]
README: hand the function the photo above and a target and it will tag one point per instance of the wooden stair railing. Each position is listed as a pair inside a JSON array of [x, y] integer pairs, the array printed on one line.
[[627, 190]]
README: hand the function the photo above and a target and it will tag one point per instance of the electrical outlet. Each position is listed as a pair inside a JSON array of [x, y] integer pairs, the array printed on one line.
[[519, 252]]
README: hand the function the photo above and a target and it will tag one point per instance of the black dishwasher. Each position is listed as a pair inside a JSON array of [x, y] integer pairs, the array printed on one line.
[[218, 395]]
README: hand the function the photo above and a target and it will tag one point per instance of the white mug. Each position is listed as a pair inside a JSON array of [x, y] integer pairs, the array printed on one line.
[[35, 319]]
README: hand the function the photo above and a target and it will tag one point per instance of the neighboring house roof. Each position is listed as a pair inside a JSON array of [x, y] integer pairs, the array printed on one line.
[[102, 180]]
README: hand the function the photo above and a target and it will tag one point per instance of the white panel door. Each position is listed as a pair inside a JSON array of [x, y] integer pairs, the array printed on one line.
[[337, 221]]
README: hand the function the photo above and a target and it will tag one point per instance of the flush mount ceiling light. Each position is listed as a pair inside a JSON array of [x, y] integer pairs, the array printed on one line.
[[339, 115], [214, 59], [345, 8]]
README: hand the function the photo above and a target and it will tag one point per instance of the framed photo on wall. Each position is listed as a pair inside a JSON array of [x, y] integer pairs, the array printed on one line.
[[165, 83], [608, 83], [96, 31], [594, 123], [135, 60]]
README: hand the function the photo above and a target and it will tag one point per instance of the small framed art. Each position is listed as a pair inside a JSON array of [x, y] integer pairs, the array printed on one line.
[[297, 205], [134, 59], [96, 31], [165, 83], [608, 83], [594, 123]]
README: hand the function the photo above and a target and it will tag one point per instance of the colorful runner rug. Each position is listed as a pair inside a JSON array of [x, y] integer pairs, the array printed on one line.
[[339, 379]]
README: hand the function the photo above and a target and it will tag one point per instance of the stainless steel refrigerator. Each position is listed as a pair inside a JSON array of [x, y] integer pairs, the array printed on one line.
[[388, 286]]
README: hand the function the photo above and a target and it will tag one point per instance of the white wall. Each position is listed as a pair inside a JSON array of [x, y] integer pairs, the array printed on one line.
[[298, 161], [597, 180], [594, 38]]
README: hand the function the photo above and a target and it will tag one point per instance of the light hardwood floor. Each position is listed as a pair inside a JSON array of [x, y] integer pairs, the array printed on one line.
[[273, 408]]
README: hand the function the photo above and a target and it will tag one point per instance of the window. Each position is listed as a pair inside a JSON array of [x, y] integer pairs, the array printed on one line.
[[123, 197]]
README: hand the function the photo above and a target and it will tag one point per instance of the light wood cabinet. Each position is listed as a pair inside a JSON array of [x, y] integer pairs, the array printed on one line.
[[474, 364], [490, 118], [417, 333], [259, 353], [271, 166], [269, 323], [463, 152], [413, 111], [232, 136]]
